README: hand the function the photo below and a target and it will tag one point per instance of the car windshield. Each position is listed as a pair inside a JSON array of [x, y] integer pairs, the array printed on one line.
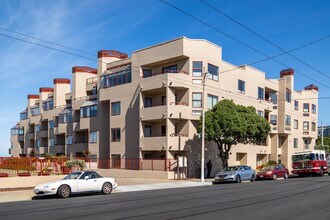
[[232, 168], [72, 176], [303, 157], [268, 168]]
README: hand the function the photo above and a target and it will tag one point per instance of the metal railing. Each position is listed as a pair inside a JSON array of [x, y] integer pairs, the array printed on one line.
[[33, 166]]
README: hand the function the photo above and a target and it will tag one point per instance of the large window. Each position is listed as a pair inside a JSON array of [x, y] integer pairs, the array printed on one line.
[[65, 118], [51, 124], [197, 68], [261, 93], [213, 72], [93, 137], [23, 115], [147, 73], [287, 120], [69, 140], [170, 69], [51, 142], [115, 134], [273, 119], [147, 131], [296, 105], [115, 108], [48, 105], [273, 97], [88, 111], [37, 128], [313, 108], [118, 76], [306, 126], [197, 100], [306, 107], [241, 86], [261, 113], [37, 143], [212, 100], [295, 143], [147, 102], [295, 124], [35, 111], [288, 95]]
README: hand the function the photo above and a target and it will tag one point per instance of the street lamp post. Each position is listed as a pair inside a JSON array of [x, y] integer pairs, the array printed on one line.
[[203, 132]]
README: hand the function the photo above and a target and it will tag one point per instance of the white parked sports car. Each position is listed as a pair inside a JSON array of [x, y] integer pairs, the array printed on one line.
[[77, 182]]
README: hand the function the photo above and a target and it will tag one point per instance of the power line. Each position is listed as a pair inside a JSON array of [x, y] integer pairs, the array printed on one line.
[[46, 41], [263, 38], [237, 40]]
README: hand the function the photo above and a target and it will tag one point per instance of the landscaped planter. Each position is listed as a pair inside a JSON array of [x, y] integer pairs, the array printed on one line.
[[24, 174], [3, 174], [43, 173]]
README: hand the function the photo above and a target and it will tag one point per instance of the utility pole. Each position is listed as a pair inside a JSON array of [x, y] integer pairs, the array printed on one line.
[[203, 128], [322, 134]]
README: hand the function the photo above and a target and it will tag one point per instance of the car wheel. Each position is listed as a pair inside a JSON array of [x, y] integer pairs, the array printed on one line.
[[107, 188], [253, 178], [238, 179], [274, 177], [286, 175], [64, 191], [328, 173]]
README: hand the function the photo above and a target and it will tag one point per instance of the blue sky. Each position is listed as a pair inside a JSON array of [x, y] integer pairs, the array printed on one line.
[[128, 25]]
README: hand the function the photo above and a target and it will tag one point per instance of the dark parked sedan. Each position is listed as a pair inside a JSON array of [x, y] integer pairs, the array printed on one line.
[[273, 172]]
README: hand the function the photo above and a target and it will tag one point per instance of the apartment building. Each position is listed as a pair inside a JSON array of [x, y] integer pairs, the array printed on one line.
[[148, 106]]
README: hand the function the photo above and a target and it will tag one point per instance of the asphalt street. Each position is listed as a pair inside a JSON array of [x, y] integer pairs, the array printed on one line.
[[296, 198]]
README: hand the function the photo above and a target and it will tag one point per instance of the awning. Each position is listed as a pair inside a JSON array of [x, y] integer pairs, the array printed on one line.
[[49, 99], [15, 127], [35, 106], [89, 103], [25, 111], [66, 111]]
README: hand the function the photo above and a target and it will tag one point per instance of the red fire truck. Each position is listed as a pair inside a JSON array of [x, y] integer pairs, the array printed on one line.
[[309, 163]]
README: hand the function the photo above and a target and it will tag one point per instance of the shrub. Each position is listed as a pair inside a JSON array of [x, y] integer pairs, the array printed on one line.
[[75, 163]]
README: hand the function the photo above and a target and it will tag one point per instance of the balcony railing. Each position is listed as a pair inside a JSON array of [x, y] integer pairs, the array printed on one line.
[[165, 72], [179, 103], [91, 80]]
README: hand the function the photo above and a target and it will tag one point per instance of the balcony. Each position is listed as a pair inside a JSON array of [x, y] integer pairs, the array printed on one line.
[[61, 128], [43, 150], [30, 136], [153, 143], [43, 133], [153, 113], [160, 80], [177, 141], [58, 148], [85, 123], [21, 137], [179, 110]]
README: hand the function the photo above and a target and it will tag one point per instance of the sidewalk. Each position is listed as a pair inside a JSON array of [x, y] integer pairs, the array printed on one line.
[[10, 186]]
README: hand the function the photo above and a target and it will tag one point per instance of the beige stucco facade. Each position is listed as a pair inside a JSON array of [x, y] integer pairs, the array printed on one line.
[[159, 93]]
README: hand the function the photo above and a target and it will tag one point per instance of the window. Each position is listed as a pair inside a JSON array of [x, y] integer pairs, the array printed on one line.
[[261, 93], [288, 95], [51, 142], [241, 86], [296, 105], [115, 134], [170, 69], [88, 111], [147, 73], [48, 105], [118, 76], [23, 115], [115, 108], [37, 128], [261, 113], [51, 124], [313, 126], [211, 101], [295, 143], [306, 126], [307, 143], [37, 143], [147, 131], [197, 68], [197, 100], [69, 139], [306, 107], [295, 124], [163, 130], [287, 120], [313, 108], [147, 102], [65, 118], [273, 98], [213, 72], [273, 119], [163, 100], [35, 111], [93, 137]]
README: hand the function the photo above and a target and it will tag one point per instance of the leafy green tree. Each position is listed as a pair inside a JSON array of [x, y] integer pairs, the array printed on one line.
[[228, 124], [326, 146]]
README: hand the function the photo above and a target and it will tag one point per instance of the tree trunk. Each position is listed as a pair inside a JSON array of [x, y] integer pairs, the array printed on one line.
[[224, 153], [224, 160]]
